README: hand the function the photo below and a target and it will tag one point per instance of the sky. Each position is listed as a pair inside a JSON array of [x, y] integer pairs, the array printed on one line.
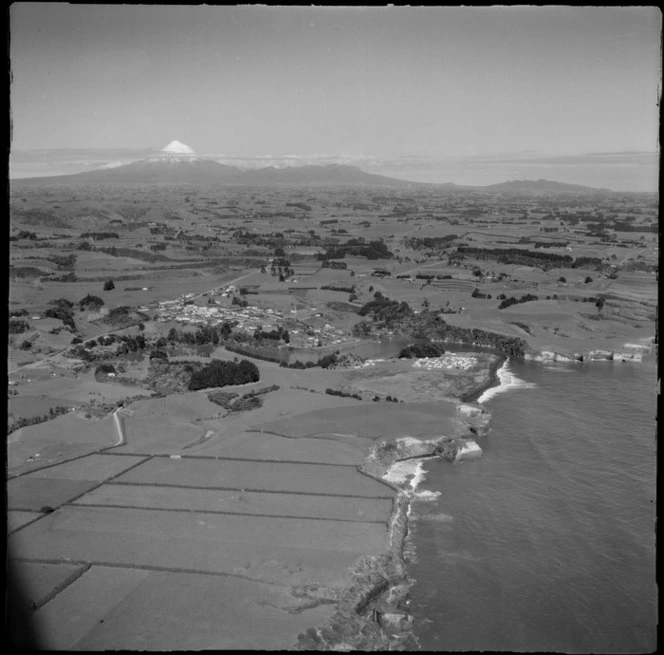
[[431, 92]]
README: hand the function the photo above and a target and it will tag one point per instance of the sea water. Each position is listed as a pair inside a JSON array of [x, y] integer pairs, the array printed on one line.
[[546, 543]]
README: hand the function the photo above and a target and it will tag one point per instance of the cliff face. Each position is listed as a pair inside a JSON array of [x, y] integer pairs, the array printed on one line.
[[384, 454]]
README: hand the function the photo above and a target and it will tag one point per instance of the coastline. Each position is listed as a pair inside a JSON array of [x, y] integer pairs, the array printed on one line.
[[626, 352], [373, 610], [493, 380]]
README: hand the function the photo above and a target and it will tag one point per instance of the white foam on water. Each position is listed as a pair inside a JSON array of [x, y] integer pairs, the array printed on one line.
[[507, 381], [399, 472], [437, 518], [426, 496], [468, 447], [409, 471]]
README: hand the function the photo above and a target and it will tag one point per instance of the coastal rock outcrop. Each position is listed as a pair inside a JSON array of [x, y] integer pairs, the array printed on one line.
[[372, 612], [475, 417], [635, 355]]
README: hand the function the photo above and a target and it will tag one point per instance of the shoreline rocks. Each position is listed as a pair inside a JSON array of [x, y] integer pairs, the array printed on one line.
[[547, 356], [373, 609]]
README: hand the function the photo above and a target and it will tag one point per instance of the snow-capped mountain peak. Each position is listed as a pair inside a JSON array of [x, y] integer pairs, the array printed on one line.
[[175, 152], [177, 148]]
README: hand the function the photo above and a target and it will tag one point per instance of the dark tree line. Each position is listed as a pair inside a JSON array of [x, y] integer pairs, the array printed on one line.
[[422, 350], [372, 250], [219, 373], [508, 302], [420, 243], [510, 346]]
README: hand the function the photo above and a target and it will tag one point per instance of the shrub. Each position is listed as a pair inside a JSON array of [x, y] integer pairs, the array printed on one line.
[[90, 301], [327, 360], [17, 327], [64, 262], [246, 403], [109, 285], [62, 314], [222, 398], [588, 280], [105, 369], [62, 302], [118, 312], [343, 394], [508, 302]]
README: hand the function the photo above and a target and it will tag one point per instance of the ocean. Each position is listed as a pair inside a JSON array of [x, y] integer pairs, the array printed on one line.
[[546, 543]]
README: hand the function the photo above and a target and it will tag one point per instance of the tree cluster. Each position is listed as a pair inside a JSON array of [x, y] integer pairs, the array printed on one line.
[[280, 334], [518, 256], [64, 262], [508, 302], [372, 250], [333, 287], [328, 263], [417, 350], [17, 326], [90, 302], [432, 243], [62, 312], [219, 373], [384, 309], [22, 422]]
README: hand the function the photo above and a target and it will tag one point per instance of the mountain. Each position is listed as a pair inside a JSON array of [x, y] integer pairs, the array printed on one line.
[[330, 174], [175, 147], [177, 163], [541, 187], [185, 168]]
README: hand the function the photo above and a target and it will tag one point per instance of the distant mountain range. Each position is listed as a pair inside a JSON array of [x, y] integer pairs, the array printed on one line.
[[171, 168], [543, 186], [208, 172]]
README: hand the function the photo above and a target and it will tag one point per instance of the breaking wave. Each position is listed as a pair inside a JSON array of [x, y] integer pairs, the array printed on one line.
[[507, 381]]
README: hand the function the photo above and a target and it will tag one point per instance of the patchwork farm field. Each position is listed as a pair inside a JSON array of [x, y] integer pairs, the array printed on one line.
[[193, 401]]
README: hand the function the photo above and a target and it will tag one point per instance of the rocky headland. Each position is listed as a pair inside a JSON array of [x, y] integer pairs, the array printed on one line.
[[373, 609]]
